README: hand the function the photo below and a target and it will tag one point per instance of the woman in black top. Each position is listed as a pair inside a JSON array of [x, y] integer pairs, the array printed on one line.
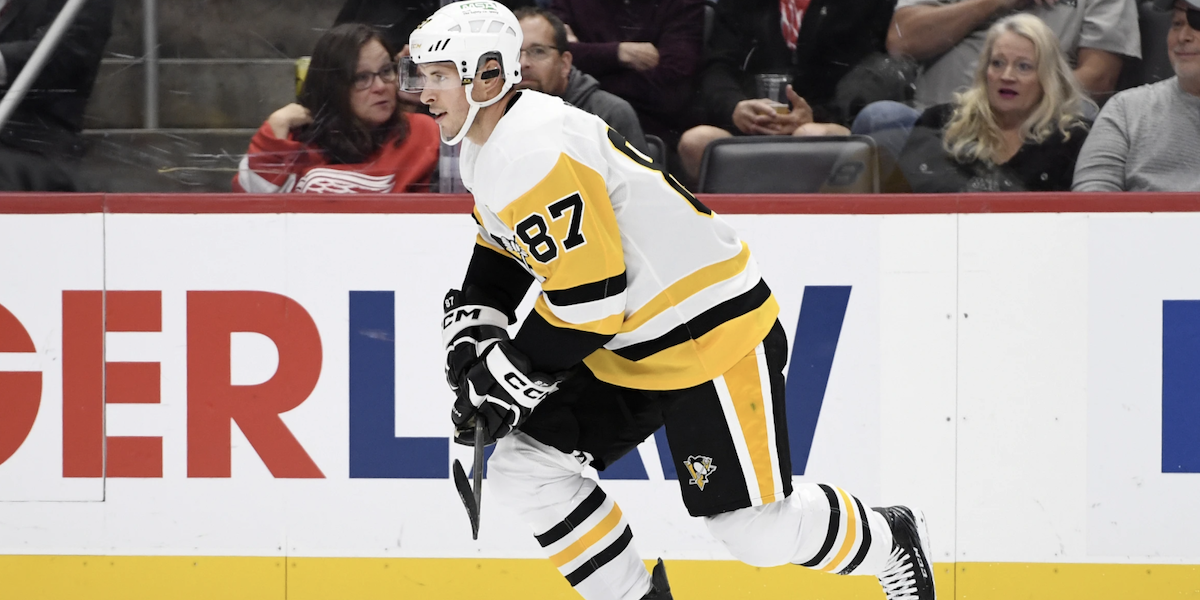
[[1019, 127]]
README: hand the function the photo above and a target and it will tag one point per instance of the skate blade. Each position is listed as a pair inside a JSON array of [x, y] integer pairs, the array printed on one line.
[[926, 548]]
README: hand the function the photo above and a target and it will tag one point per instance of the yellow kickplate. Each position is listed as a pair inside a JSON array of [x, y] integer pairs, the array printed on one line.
[[458, 579], [259, 578], [141, 578], [1042, 581]]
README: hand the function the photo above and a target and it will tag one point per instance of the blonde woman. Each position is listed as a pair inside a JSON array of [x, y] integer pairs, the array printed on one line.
[[1019, 127]]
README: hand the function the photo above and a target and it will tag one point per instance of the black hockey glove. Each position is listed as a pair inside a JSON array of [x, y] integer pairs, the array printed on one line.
[[501, 390], [468, 330]]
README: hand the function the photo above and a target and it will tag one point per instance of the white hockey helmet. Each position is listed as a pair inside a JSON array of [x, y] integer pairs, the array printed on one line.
[[467, 34]]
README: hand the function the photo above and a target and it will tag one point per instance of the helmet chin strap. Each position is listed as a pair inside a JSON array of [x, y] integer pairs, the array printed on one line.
[[474, 110]]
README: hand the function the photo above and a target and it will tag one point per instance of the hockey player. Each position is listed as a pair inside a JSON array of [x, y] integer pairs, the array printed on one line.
[[651, 311]]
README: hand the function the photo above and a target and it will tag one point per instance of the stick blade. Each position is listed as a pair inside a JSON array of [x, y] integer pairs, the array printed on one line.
[[468, 497]]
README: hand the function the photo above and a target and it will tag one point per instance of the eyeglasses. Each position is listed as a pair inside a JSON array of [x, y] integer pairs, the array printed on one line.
[[538, 52], [363, 80]]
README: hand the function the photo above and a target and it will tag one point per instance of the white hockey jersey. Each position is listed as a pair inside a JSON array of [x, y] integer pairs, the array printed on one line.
[[619, 247]]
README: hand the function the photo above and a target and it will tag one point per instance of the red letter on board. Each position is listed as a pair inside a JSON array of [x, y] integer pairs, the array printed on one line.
[[213, 400]]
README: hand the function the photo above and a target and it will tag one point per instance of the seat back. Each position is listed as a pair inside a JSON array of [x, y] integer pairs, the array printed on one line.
[[790, 165], [657, 150], [1155, 64], [1154, 25], [710, 17]]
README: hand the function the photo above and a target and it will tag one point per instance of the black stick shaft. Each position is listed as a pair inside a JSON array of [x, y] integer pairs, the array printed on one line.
[[478, 469]]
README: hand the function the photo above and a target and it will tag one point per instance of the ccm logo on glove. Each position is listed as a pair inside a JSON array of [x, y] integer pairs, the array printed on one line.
[[515, 382]]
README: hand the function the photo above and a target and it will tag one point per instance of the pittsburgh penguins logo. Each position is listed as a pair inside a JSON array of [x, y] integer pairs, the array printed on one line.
[[701, 468]]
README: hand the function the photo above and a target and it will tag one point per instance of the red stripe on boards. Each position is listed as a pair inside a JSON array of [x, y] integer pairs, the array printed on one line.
[[858, 204]]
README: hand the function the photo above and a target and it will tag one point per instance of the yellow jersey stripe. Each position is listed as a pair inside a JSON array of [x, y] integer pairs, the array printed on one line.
[[691, 362], [686, 287], [851, 532], [604, 326], [697, 326], [589, 539]]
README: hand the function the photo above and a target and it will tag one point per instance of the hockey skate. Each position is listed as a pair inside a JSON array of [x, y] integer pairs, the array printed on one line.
[[908, 574], [658, 579]]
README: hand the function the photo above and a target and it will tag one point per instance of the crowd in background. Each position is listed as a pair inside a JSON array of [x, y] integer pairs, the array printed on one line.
[[40, 142], [958, 95]]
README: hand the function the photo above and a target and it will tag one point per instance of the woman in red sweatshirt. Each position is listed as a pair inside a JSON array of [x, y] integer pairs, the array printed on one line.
[[349, 133]]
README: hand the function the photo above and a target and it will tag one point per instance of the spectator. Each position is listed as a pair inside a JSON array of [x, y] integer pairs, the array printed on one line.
[[1019, 127], [948, 35], [1148, 138], [645, 51], [41, 140], [348, 133], [816, 42], [546, 67]]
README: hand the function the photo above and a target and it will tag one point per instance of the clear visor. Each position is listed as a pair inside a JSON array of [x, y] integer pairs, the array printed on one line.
[[436, 76]]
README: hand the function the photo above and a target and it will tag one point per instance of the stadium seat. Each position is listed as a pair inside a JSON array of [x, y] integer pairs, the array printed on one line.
[[710, 15], [1155, 65], [790, 165], [657, 150]]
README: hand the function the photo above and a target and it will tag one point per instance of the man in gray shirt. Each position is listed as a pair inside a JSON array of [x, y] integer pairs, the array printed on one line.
[[546, 67], [948, 35], [1148, 138]]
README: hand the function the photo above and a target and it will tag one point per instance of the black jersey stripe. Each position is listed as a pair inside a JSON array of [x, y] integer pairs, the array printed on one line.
[[866, 541], [649, 348], [701, 324], [588, 292], [512, 102], [618, 142], [835, 519], [500, 280], [682, 191], [577, 516], [552, 349], [602, 558]]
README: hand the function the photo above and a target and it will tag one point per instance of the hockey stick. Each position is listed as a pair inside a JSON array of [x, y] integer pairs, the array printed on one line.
[[472, 498]]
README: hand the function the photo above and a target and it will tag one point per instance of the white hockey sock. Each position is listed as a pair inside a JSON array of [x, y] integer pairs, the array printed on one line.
[[840, 534], [593, 548], [812, 528], [579, 527]]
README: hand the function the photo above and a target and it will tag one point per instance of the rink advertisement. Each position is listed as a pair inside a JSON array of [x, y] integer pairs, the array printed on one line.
[[245, 398]]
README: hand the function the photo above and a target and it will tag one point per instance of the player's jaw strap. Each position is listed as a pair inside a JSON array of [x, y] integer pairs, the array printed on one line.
[[474, 110]]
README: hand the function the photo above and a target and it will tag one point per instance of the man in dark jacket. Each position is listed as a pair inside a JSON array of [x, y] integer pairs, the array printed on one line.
[[645, 51], [546, 67], [45, 127], [752, 37]]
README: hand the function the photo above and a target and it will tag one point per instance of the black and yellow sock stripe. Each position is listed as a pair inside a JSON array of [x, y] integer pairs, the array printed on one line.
[[855, 526], [572, 544]]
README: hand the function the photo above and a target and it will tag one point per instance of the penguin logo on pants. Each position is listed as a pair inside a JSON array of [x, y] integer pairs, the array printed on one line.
[[701, 468]]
